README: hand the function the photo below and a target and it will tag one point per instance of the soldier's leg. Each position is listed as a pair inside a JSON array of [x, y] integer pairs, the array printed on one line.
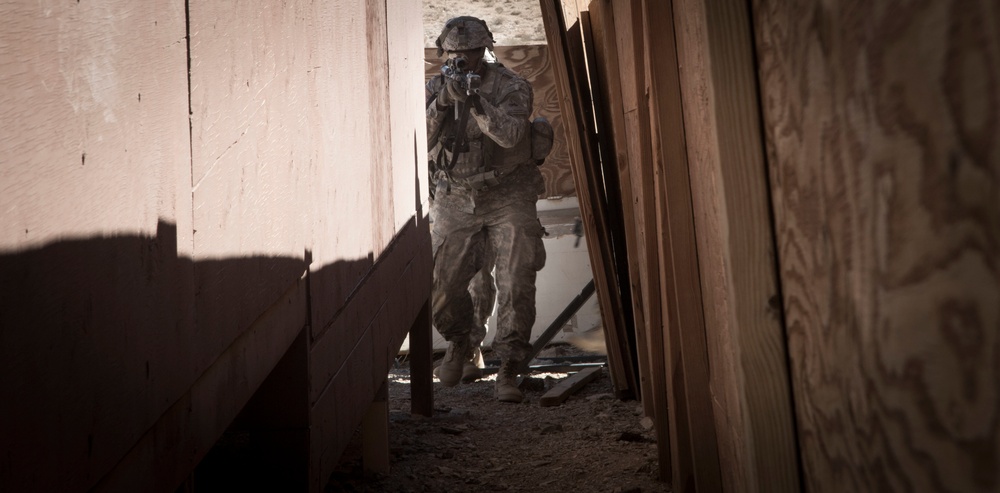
[[520, 254], [484, 294], [456, 237]]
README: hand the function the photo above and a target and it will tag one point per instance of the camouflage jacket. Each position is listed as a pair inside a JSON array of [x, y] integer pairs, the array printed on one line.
[[497, 167]]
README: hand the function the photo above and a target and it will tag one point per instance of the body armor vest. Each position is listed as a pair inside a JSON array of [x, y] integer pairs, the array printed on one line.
[[485, 163]]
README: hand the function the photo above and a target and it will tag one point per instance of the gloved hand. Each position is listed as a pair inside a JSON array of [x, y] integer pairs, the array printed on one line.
[[443, 97], [454, 90]]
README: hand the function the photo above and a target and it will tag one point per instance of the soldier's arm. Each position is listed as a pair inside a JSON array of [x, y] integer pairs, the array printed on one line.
[[507, 122], [434, 114]]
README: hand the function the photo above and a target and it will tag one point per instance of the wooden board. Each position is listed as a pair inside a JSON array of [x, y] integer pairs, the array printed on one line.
[[881, 128], [408, 121], [351, 358], [558, 394], [615, 152], [749, 375], [248, 152], [607, 189], [629, 31], [582, 154], [693, 434]]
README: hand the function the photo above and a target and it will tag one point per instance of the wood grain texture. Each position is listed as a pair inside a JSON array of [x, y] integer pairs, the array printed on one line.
[[630, 35], [694, 434], [881, 125], [342, 173], [605, 174], [605, 65], [558, 394], [383, 211], [406, 97], [348, 362], [737, 265], [570, 74], [250, 143]]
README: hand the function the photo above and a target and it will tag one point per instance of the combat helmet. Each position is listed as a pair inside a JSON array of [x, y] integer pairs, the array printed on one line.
[[464, 33]]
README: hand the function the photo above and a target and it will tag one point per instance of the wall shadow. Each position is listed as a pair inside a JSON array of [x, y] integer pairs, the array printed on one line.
[[100, 337]]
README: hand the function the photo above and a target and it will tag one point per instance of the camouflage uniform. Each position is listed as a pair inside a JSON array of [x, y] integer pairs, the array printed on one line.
[[484, 294], [485, 203]]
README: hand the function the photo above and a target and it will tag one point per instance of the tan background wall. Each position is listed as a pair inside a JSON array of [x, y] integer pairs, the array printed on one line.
[[157, 264]]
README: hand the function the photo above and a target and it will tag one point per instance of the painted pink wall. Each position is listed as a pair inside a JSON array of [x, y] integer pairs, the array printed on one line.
[[159, 231]]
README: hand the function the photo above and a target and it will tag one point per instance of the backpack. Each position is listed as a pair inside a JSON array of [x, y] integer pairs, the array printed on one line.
[[542, 136]]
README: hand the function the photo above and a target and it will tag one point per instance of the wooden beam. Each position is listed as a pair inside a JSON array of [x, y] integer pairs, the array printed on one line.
[[696, 454], [421, 361], [735, 242], [568, 386], [592, 209], [629, 31], [375, 434], [606, 179], [614, 147]]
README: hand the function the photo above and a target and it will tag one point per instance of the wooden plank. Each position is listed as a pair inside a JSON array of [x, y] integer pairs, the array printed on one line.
[[631, 49], [404, 24], [607, 189], [341, 140], [246, 128], [735, 244], [421, 364], [591, 208], [378, 111], [696, 456], [375, 434], [352, 357], [605, 64], [881, 141], [556, 395], [166, 454], [406, 260]]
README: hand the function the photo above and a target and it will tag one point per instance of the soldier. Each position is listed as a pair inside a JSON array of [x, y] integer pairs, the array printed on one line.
[[484, 186]]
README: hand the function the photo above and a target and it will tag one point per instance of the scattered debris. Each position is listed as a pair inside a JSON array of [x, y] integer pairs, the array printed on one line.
[[592, 442]]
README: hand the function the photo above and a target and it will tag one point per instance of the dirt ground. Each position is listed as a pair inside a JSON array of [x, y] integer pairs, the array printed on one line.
[[592, 442]]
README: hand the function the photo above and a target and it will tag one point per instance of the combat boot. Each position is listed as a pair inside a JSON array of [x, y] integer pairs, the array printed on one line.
[[507, 390], [450, 370], [471, 370]]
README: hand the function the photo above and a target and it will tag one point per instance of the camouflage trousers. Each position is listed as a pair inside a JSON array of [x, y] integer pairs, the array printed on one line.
[[464, 245], [483, 290]]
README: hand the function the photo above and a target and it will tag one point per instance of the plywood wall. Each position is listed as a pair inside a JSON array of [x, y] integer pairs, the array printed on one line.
[[825, 188], [186, 190], [94, 206], [881, 128]]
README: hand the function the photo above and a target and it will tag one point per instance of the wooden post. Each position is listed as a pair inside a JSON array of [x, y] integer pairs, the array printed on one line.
[[421, 351], [375, 434]]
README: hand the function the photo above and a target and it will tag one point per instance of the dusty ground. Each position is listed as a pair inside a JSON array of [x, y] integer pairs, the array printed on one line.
[[593, 442]]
